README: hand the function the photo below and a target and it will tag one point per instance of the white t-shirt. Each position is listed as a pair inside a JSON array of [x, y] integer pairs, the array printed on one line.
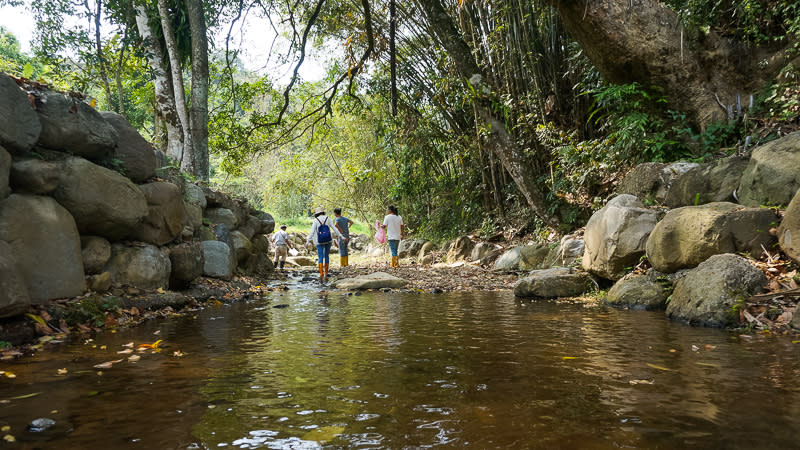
[[280, 238], [393, 230]]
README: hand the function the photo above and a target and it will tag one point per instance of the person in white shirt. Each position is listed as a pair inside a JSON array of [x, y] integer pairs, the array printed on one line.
[[323, 233], [395, 231], [282, 246]]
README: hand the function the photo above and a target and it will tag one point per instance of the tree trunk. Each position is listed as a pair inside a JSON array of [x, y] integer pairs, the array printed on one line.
[[186, 159], [500, 142], [643, 41], [198, 112], [101, 60], [165, 101]]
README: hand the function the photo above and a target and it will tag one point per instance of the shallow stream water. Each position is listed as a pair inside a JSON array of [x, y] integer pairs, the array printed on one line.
[[404, 370]]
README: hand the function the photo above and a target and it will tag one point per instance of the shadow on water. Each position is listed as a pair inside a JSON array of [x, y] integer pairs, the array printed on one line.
[[410, 370]]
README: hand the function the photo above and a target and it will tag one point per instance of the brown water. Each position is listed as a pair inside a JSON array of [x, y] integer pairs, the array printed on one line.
[[388, 370]]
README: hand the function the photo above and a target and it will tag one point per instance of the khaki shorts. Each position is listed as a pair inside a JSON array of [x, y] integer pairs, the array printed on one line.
[[281, 252]]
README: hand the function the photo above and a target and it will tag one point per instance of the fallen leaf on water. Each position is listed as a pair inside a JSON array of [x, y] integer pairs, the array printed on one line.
[[157, 332], [128, 345], [62, 371], [126, 351], [20, 397], [107, 364], [672, 350], [569, 357], [641, 382], [655, 366], [161, 291], [93, 393], [5, 429], [9, 374], [695, 348], [134, 358], [795, 342], [709, 347], [154, 345], [706, 364], [37, 319], [9, 438], [178, 354], [103, 347]]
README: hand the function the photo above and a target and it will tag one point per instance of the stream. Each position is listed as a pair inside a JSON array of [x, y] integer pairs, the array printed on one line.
[[307, 369]]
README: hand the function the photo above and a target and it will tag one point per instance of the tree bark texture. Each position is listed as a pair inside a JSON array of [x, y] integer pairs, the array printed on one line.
[[644, 41], [165, 101], [198, 110]]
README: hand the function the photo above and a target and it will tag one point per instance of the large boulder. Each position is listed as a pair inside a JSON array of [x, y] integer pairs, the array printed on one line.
[[250, 227], [377, 280], [103, 202], [426, 249], [261, 243], [194, 195], [554, 283], [616, 235], [707, 183], [267, 222], [218, 260], [773, 174], [688, 236], [45, 243], [789, 230], [95, 253], [142, 266], [20, 127], [524, 257], [239, 207], [571, 249], [14, 297], [410, 247], [242, 247], [133, 153], [481, 250], [259, 264], [639, 292], [71, 125], [221, 216], [166, 213], [460, 249], [712, 294], [187, 264], [651, 180], [5, 171], [35, 176]]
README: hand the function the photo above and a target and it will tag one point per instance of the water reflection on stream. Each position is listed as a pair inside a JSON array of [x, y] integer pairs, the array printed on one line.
[[388, 370]]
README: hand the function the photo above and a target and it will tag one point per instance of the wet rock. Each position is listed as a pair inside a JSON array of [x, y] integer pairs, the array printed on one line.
[[460, 249], [103, 202], [524, 257], [39, 425], [45, 244], [653, 180], [219, 261], [134, 155], [410, 247], [14, 297], [688, 236], [222, 216], [5, 170], [166, 214], [377, 280], [20, 124], [707, 183], [35, 176], [242, 247], [143, 267], [553, 283], [71, 125], [95, 252], [789, 230], [302, 261], [711, 294], [616, 235], [639, 292], [771, 176], [187, 264]]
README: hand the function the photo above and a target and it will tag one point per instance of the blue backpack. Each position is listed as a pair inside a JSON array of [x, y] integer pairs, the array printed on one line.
[[323, 232]]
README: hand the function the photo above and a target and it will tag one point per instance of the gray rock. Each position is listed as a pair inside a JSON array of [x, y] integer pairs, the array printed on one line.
[[187, 264], [5, 170], [221, 216], [166, 214], [553, 283], [103, 202], [144, 267], [773, 174], [100, 282], [377, 280], [206, 234], [194, 195], [302, 261], [14, 297], [250, 226], [261, 243], [71, 125], [426, 249], [259, 264], [524, 257], [482, 249], [789, 230], [460, 249], [707, 183], [45, 244], [20, 124], [219, 261], [616, 235], [688, 236], [711, 294], [35, 176], [194, 216], [240, 208], [410, 247], [133, 153], [653, 180], [242, 247], [267, 222], [95, 252], [571, 249], [639, 292]]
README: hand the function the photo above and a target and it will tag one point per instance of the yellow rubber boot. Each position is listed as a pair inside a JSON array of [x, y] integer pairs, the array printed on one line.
[[326, 269], [343, 261], [395, 261], [321, 271]]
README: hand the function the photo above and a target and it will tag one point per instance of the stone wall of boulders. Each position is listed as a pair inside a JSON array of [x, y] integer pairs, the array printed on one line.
[[88, 203]]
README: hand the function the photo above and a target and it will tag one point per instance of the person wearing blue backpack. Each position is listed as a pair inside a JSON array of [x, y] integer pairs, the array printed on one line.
[[322, 234]]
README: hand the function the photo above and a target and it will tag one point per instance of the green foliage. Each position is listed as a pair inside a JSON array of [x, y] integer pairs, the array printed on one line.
[[5, 345], [91, 310]]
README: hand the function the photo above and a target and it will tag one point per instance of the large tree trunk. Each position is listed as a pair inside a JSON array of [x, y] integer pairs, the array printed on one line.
[[198, 110], [643, 41], [187, 156], [101, 60], [165, 101], [500, 141]]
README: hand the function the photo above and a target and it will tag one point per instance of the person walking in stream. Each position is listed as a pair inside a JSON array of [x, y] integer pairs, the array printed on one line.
[[395, 231], [322, 234], [343, 225], [282, 246]]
